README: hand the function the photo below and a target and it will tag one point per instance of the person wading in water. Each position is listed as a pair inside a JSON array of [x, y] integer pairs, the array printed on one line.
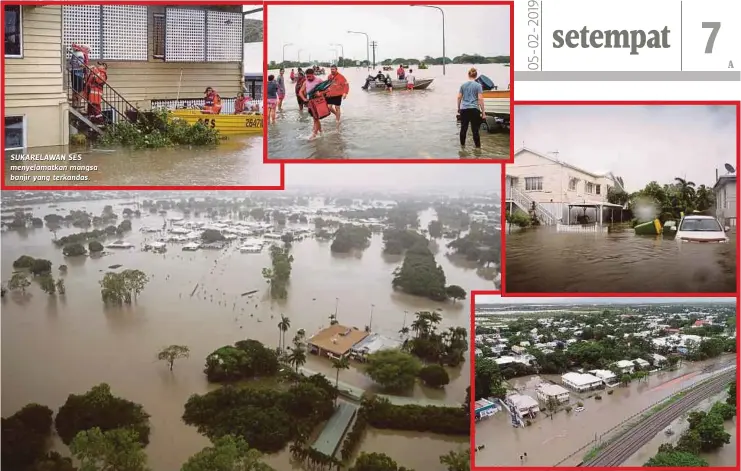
[[471, 108], [337, 92], [281, 88], [310, 82]]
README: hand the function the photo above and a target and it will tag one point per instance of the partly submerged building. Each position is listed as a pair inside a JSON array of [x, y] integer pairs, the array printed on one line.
[[335, 341], [581, 381], [560, 192], [373, 343], [155, 55], [725, 200], [549, 392], [523, 405]]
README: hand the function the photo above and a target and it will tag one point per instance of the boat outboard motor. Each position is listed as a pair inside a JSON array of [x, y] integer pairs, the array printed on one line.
[[486, 83]]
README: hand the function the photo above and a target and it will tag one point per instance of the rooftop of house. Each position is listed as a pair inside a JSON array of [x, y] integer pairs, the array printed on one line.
[[568, 165], [580, 378], [337, 339], [724, 180], [552, 389]]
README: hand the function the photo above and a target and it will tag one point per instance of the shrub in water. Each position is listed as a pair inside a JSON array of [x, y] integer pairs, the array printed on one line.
[[155, 129]]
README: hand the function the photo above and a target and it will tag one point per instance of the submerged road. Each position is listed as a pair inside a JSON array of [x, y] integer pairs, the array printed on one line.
[[625, 445]]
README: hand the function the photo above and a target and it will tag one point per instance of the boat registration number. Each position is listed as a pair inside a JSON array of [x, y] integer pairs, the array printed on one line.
[[253, 123], [208, 122]]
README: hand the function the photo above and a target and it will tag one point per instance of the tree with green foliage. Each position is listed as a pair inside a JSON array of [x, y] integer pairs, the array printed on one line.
[[74, 250], [350, 237], [376, 462], [47, 284], [455, 292], [61, 288], [25, 435], [40, 267], [228, 453], [444, 347], [212, 235], [435, 229], [95, 247], [393, 369], [457, 460], [279, 274], [248, 412], [489, 381], [283, 326], [297, 357], [117, 449], [124, 287], [247, 359], [676, 459], [172, 353], [420, 275], [381, 414], [24, 261], [434, 376], [100, 408], [19, 281], [731, 399]]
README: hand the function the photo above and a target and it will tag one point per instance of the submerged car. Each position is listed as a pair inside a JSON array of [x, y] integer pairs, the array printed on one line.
[[701, 229]]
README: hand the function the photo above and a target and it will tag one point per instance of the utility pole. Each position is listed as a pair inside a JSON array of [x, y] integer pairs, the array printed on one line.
[[373, 46]]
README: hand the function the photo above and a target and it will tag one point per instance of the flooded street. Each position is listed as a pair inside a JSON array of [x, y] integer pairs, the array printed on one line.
[[238, 160], [413, 125], [615, 262], [56, 345], [571, 435]]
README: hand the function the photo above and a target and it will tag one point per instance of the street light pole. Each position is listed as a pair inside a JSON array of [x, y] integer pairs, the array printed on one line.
[[335, 56], [367, 45], [370, 322], [342, 51], [283, 63], [299, 56], [443, 13]]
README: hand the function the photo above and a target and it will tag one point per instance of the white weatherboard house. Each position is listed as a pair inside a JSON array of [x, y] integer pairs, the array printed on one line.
[[547, 391], [554, 184], [581, 381], [725, 200]]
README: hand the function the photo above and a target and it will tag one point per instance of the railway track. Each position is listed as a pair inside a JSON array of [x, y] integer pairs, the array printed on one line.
[[625, 445]]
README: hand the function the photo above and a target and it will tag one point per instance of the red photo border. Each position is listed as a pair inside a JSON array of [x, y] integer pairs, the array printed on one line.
[[510, 3], [737, 104], [472, 398], [4, 186]]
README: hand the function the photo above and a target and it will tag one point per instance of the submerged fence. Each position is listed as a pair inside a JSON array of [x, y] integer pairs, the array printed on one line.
[[227, 104]]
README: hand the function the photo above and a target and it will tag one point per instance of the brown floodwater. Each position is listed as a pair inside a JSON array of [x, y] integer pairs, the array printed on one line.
[[549, 441], [236, 161], [615, 262], [725, 456], [56, 345], [381, 125]]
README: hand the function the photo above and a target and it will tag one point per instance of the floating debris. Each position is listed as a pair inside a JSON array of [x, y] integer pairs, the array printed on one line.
[[113, 267], [250, 292]]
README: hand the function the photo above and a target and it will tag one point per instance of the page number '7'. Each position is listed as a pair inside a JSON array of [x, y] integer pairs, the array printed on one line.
[[715, 26]]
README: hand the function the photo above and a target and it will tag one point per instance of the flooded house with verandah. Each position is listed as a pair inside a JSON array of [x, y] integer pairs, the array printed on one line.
[[558, 193], [157, 56]]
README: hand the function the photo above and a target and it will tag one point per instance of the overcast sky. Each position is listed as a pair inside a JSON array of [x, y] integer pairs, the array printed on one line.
[[639, 143], [395, 176], [489, 299], [399, 30]]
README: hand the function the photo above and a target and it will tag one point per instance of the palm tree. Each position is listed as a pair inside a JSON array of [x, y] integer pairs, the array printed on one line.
[[297, 358], [686, 193], [404, 331], [284, 325], [298, 339], [339, 364]]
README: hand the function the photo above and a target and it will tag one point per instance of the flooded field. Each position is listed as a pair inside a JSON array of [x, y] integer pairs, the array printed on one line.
[[615, 262], [550, 440], [417, 125], [56, 345], [236, 161], [725, 456]]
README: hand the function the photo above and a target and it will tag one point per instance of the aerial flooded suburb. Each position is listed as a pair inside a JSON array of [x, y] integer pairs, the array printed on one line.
[[605, 382], [338, 320]]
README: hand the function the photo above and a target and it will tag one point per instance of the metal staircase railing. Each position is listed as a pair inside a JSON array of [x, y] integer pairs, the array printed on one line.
[[526, 203], [114, 107]]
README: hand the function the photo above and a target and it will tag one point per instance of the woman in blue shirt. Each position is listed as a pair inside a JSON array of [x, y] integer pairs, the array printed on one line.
[[471, 108]]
